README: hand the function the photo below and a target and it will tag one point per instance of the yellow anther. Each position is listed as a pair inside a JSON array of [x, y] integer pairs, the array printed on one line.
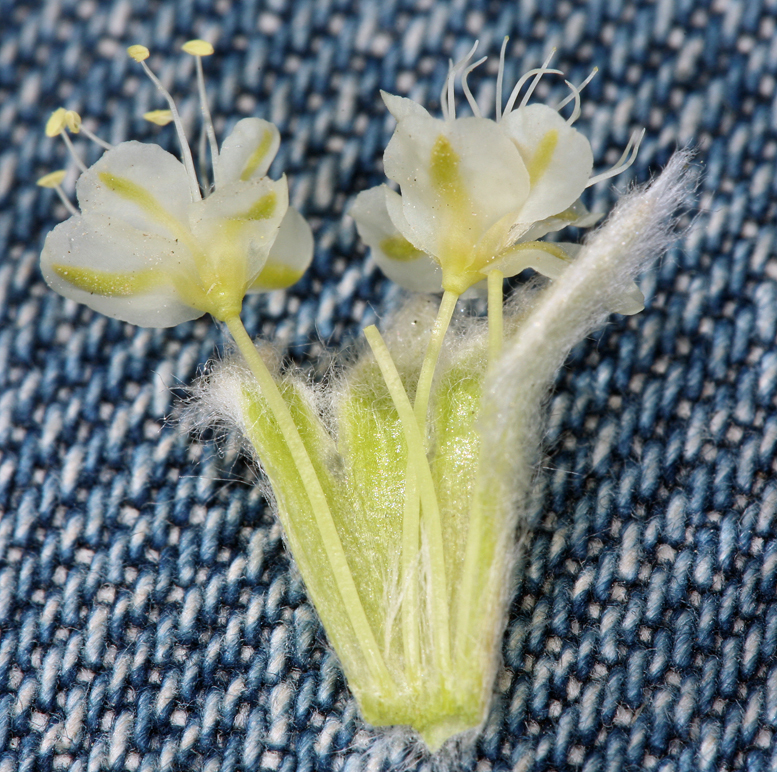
[[197, 48], [52, 179], [138, 53], [159, 117], [73, 121], [55, 125]]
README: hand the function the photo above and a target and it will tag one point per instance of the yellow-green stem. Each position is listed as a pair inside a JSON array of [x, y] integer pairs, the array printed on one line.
[[468, 576], [475, 526], [495, 325], [424, 389], [409, 573], [429, 506], [330, 539]]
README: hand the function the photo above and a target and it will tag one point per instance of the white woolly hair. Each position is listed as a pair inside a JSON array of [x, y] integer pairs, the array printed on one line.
[[638, 232]]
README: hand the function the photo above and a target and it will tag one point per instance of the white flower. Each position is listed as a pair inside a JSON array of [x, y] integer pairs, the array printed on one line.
[[148, 249], [477, 194]]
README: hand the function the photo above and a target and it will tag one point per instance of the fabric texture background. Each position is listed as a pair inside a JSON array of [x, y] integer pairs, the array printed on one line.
[[150, 616]]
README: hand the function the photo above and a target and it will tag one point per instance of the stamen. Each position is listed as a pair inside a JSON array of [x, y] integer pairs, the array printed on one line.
[[451, 100], [159, 117], [140, 54], [54, 180], [444, 92], [202, 163], [56, 125], [452, 73], [622, 164], [500, 79], [537, 74], [74, 124], [568, 99], [576, 96], [81, 165], [465, 87], [101, 142], [73, 121], [537, 78], [198, 49]]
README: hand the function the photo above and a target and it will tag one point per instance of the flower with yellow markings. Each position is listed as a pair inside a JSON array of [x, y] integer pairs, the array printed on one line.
[[478, 194], [148, 248]]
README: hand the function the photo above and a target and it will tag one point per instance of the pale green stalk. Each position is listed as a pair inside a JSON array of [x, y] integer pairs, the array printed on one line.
[[430, 508], [495, 324], [474, 532], [330, 539], [469, 574], [409, 577], [424, 388]]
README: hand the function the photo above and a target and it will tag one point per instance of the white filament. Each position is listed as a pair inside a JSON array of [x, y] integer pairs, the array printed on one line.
[[188, 161], [208, 121], [465, 87], [500, 78], [622, 163]]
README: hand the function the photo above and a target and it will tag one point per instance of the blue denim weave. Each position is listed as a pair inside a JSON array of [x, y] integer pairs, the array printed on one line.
[[150, 617]]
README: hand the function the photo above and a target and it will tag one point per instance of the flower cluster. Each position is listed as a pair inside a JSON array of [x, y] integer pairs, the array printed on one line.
[[398, 484]]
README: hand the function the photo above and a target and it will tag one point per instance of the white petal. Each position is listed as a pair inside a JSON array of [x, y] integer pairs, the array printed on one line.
[[117, 270], [394, 255], [551, 261], [631, 302], [542, 260], [290, 254], [248, 151], [237, 225], [402, 107], [557, 156], [576, 216], [458, 178], [141, 185]]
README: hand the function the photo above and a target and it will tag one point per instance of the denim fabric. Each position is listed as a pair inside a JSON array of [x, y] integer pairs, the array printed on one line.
[[150, 617]]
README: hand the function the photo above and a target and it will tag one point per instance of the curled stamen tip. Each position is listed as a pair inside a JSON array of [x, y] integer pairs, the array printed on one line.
[[73, 121], [52, 179], [159, 117], [197, 48], [138, 53], [56, 123]]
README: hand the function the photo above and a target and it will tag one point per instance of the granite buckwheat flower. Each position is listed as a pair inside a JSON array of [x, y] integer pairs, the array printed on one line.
[[148, 248], [478, 194]]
